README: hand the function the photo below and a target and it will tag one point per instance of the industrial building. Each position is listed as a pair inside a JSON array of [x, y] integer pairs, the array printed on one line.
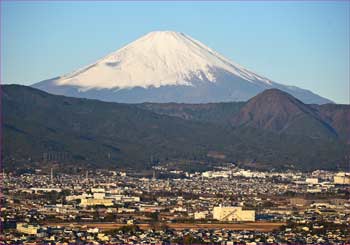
[[233, 214], [95, 202]]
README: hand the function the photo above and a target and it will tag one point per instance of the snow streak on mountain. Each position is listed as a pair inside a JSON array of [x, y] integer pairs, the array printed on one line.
[[166, 66]]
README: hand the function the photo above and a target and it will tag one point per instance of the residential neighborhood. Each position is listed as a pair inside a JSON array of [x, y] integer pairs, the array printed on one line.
[[226, 205]]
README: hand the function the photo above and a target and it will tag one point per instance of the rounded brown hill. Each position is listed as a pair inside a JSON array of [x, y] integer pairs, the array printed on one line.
[[278, 111]]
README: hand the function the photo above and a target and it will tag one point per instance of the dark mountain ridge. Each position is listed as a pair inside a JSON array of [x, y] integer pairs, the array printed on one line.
[[278, 111], [272, 110], [104, 134]]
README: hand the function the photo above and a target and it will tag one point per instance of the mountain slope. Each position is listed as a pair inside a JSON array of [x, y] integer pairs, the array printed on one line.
[[271, 110], [216, 113], [95, 132], [338, 116], [82, 132], [167, 67], [278, 111]]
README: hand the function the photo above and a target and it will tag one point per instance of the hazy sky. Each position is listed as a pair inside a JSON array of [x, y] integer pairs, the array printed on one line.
[[305, 44]]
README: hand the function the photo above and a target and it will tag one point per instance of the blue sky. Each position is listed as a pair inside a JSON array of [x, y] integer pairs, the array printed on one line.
[[305, 44]]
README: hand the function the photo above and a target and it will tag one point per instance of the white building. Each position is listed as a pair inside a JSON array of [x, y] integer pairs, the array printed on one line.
[[342, 178], [27, 228], [313, 181], [99, 195], [216, 174], [200, 215], [77, 197], [233, 214], [94, 202], [98, 190]]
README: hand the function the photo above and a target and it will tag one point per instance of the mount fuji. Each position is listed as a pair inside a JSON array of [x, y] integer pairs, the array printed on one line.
[[167, 66]]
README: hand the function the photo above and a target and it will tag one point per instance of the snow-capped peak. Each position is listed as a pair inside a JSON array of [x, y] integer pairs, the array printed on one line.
[[157, 59]]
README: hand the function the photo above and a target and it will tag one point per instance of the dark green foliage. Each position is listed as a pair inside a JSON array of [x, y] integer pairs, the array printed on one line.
[[218, 113], [91, 133]]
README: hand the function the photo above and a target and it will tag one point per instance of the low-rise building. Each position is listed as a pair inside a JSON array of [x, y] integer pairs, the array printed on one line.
[[312, 181], [233, 214], [95, 202], [342, 178], [200, 215], [27, 228]]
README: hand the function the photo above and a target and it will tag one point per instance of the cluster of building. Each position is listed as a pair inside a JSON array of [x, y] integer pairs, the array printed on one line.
[[226, 205], [294, 234]]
